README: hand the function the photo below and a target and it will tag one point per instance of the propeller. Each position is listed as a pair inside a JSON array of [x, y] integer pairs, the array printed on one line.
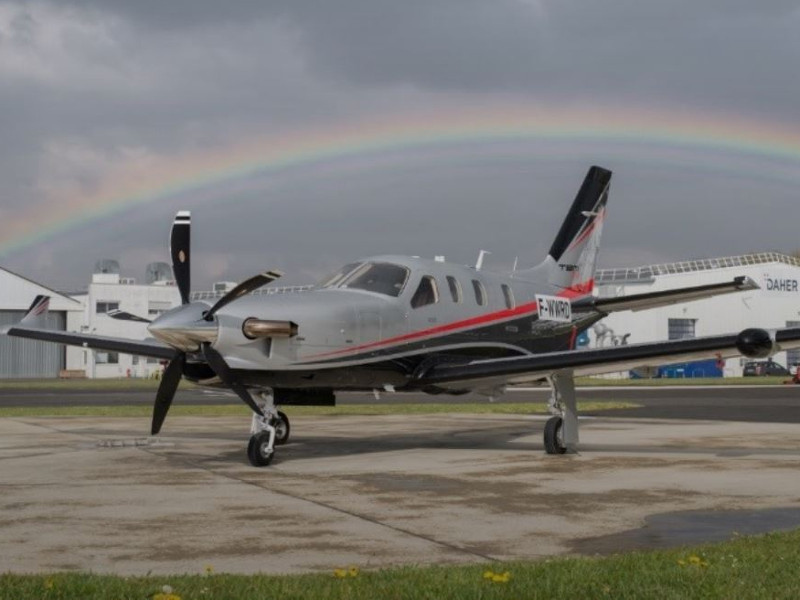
[[224, 372], [121, 315], [166, 391], [180, 250], [244, 288]]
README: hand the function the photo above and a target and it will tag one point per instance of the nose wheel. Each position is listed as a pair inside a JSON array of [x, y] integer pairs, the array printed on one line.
[[260, 450], [270, 430]]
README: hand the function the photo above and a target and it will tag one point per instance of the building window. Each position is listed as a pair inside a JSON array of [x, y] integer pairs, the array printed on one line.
[[681, 329], [155, 309], [427, 293], [102, 308], [480, 292], [508, 296], [107, 358], [455, 288]]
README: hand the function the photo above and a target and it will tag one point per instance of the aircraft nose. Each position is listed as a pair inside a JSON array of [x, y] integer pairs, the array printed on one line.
[[184, 327]]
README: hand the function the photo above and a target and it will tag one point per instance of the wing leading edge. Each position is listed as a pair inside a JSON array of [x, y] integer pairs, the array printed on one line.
[[525, 369], [667, 297], [149, 348]]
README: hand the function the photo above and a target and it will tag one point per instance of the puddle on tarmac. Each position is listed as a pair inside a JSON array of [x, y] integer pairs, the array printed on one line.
[[691, 527]]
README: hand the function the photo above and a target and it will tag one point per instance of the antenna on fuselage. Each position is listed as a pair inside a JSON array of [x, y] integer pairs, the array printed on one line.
[[514, 267], [479, 262]]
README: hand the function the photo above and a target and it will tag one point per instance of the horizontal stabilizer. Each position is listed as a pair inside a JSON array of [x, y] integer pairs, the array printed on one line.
[[667, 297]]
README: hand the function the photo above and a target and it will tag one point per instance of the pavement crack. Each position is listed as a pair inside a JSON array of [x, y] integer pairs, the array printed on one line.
[[332, 507]]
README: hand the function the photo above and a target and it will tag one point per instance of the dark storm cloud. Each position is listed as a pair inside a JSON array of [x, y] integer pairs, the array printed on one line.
[[87, 87]]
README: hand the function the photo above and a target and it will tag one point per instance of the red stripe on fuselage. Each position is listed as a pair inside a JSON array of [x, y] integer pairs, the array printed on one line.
[[528, 308]]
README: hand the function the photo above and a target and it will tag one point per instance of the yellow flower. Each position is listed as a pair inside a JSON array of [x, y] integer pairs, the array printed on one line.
[[166, 594], [488, 574], [694, 559], [340, 573], [352, 571], [504, 578], [48, 584], [681, 563], [209, 569]]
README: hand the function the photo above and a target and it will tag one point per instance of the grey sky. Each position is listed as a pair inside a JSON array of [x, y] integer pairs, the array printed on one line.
[[89, 88]]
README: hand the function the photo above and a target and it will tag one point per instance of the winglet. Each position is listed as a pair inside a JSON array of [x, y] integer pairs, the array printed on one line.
[[37, 313]]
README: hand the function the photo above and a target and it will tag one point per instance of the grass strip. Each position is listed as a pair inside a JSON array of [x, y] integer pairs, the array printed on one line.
[[239, 409], [747, 567]]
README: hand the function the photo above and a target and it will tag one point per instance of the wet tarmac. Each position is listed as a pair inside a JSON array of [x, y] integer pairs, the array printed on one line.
[[683, 528], [91, 493]]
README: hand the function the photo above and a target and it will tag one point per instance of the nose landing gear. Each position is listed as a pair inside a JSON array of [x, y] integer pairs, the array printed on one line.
[[268, 431]]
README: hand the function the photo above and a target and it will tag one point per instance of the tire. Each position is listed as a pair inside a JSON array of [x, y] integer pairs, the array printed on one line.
[[256, 450], [283, 428], [552, 436]]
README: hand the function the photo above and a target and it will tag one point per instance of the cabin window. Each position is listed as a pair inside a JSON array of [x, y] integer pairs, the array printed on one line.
[[508, 296], [480, 292], [455, 288], [427, 293], [381, 278]]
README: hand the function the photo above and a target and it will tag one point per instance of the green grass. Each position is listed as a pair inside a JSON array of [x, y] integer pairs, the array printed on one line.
[[747, 567], [226, 410]]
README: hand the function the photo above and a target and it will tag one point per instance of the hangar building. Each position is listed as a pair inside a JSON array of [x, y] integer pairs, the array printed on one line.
[[28, 358], [775, 305]]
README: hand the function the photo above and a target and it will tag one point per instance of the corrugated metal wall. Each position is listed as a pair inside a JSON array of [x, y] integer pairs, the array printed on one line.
[[27, 358]]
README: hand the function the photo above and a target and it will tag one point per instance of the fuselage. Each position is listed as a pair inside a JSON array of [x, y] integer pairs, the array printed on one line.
[[382, 321]]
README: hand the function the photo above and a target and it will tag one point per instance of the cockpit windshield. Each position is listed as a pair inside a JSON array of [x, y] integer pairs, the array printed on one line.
[[381, 278], [337, 278], [378, 277]]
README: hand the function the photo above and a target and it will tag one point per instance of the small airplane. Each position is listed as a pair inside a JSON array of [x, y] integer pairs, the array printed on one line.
[[407, 324]]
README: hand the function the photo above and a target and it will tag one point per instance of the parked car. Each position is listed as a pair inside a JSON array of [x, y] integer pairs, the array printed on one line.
[[763, 368]]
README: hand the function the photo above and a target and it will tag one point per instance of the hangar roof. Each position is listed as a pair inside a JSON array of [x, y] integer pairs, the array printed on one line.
[[17, 292], [649, 272]]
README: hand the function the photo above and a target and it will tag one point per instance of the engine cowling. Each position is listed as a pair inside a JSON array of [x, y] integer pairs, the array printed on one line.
[[756, 343]]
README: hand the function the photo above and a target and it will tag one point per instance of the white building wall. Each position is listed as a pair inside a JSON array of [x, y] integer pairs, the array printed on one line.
[[146, 301], [774, 306]]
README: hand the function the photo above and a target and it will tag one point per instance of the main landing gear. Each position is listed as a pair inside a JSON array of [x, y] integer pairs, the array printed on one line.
[[561, 430], [268, 431]]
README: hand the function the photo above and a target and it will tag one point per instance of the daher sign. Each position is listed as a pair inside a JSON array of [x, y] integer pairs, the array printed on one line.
[[780, 282]]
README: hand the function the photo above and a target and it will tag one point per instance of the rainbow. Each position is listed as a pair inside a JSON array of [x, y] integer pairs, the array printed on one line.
[[673, 131]]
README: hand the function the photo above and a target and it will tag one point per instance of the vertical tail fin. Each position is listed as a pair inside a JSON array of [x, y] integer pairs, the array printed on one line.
[[37, 313], [572, 257]]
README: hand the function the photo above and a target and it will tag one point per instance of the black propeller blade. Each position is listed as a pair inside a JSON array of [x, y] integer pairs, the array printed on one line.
[[244, 288], [223, 371], [180, 248], [166, 391], [121, 315]]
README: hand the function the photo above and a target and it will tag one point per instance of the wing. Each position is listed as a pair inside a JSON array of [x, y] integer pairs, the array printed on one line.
[[665, 298], [150, 348], [755, 343]]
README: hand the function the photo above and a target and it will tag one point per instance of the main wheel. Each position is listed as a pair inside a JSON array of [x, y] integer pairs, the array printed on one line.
[[282, 428], [552, 436], [258, 450]]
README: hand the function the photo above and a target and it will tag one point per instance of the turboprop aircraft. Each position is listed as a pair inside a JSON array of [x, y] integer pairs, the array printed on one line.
[[403, 324]]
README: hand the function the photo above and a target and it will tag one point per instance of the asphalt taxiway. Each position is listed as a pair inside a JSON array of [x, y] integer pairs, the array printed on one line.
[[86, 493]]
